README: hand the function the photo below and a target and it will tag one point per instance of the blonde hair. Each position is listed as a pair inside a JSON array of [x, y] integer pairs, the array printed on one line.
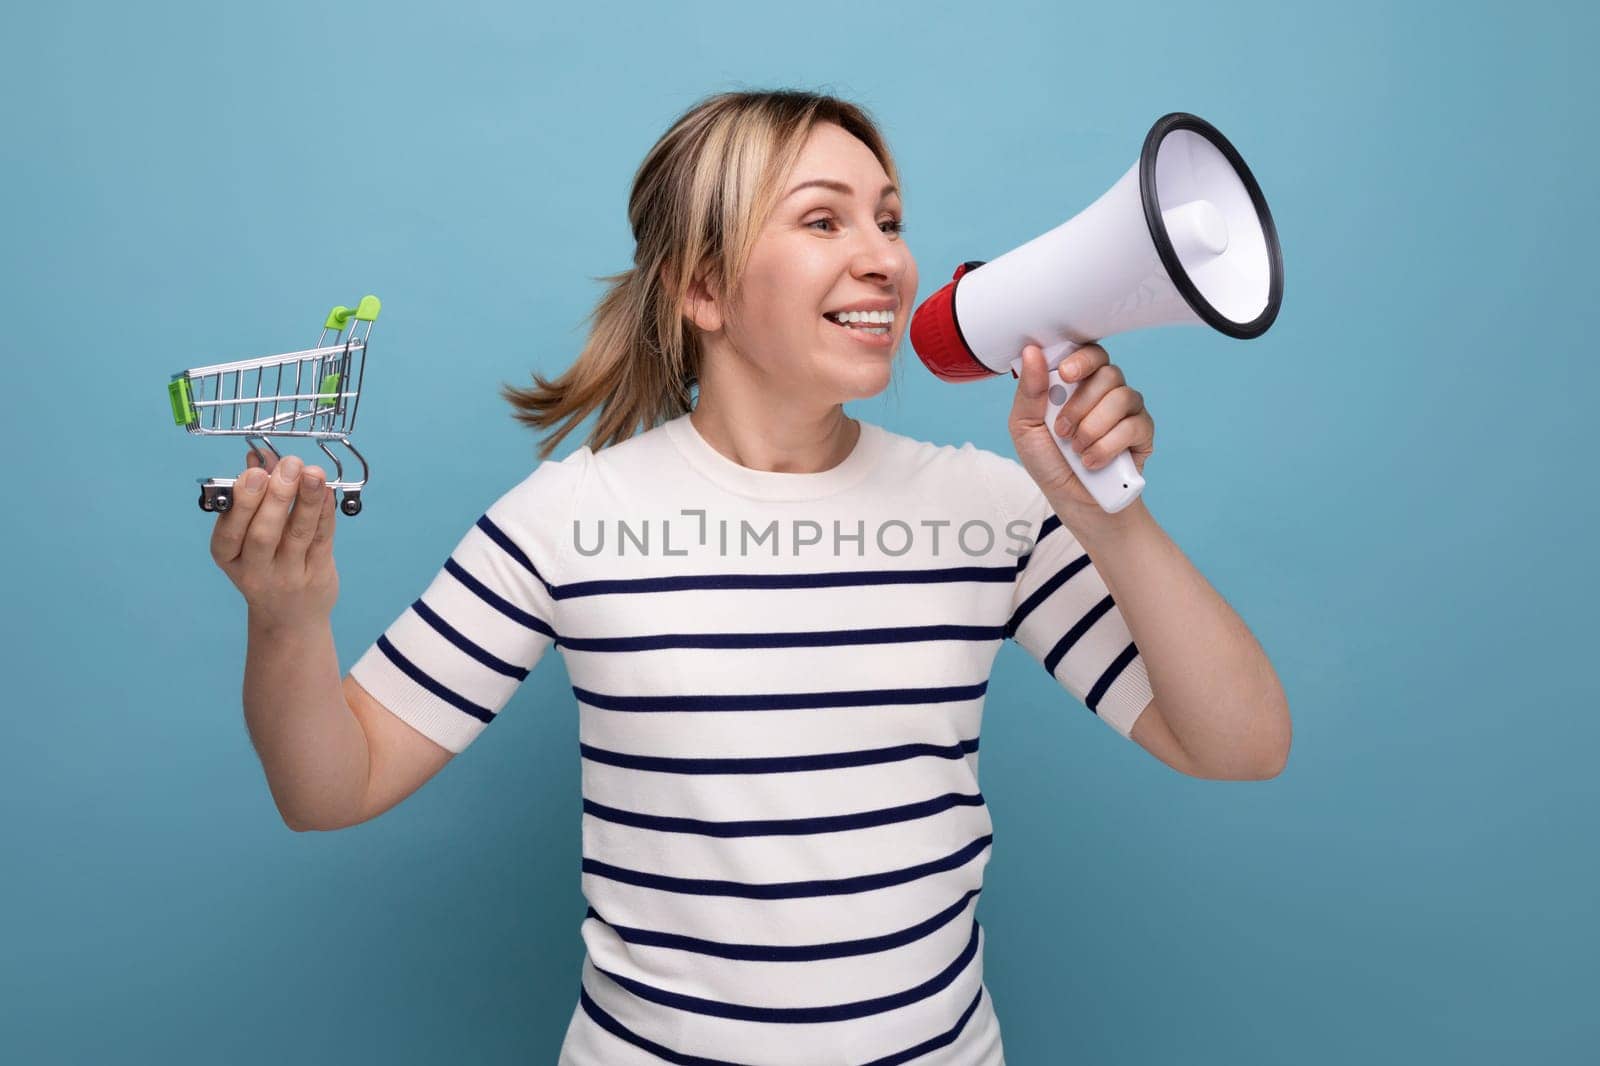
[[698, 203]]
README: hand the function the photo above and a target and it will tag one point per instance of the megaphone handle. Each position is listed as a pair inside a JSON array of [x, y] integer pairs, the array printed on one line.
[[1114, 485]]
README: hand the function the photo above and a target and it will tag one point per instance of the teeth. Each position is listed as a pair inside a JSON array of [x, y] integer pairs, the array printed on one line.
[[882, 318]]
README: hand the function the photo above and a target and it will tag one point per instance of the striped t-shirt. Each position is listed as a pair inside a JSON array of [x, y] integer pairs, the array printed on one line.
[[780, 679]]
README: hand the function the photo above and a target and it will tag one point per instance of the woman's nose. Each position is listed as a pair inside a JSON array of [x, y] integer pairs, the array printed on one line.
[[882, 255]]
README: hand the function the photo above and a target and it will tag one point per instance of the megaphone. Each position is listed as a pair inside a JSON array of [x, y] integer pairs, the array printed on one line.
[[1184, 237]]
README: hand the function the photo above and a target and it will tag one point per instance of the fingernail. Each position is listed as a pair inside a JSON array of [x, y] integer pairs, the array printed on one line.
[[253, 479]]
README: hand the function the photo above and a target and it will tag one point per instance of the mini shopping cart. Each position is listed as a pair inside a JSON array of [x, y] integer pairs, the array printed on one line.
[[248, 399]]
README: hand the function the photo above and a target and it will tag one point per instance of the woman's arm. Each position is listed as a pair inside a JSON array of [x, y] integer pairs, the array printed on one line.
[[1214, 687]]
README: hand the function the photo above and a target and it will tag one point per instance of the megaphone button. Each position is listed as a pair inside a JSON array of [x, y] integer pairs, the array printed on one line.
[[1058, 394]]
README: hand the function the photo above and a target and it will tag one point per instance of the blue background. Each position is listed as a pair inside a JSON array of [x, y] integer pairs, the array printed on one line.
[[1393, 487]]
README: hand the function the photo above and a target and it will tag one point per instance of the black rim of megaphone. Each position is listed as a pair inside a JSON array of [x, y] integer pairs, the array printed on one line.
[[1181, 120]]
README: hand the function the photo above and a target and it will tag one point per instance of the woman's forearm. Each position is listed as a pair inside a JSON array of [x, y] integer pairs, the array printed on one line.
[[310, 743], [1212, 680]]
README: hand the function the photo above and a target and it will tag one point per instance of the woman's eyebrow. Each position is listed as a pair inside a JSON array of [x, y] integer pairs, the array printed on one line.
[[837, 186]]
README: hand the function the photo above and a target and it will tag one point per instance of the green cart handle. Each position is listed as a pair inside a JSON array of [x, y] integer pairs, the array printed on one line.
[[365, 311]]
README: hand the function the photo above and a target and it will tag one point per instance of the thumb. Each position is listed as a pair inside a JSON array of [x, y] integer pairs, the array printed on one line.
[[1028, 406]]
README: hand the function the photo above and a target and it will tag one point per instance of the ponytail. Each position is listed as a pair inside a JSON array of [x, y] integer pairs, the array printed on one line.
[[635, 368]]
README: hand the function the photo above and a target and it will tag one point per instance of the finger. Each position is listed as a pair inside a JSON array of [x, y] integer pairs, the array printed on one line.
[[268, 460], [266, 529], [322, 543], [227, 536], [303, 520], [1122, 402], [1086, 397], [1028, 405], [1135, 435], [1083, 362]]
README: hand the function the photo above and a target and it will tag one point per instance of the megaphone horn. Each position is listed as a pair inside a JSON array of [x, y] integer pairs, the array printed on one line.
[[1183, 237]]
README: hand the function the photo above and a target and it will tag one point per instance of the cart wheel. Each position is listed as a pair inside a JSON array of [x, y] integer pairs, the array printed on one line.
[[351, 504], [215, 498]]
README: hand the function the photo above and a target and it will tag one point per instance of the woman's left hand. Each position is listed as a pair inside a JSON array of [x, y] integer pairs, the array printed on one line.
[[1104, 416]]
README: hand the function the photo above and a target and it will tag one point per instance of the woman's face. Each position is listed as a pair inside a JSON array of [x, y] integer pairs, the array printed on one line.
[[823, 250]]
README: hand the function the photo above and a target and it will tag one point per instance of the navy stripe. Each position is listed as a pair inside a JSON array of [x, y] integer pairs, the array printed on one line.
[[495, 600], [825, 638], [456, 637], [661, 1051], [1053, 521], [830, 579], [782, 701], [777, 764], [787, 889], [791, 952], [835, 1013], [1118, 664], [1073, 635], [773, 827], [1059, 578], [498, 535], [622, 1032], [934, 1043], [411, 670]]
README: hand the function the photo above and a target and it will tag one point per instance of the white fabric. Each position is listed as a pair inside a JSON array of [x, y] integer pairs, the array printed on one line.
[[752, 910]]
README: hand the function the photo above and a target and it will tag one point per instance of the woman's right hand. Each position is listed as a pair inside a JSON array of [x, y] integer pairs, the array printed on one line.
[[280, 559]]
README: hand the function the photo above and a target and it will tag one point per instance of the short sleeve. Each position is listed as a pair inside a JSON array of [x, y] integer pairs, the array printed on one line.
[[1061, 611], [456, 655]]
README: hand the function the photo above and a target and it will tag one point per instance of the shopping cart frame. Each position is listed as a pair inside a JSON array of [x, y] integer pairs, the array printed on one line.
[[327, 414]]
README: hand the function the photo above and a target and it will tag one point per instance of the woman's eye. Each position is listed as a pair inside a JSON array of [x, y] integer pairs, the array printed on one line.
[[896, 226]]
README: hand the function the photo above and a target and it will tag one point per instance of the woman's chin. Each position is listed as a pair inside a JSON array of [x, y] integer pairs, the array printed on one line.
[[866, 377]]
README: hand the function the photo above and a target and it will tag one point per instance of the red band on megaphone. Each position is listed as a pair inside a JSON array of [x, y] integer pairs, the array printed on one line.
[[936, 335]]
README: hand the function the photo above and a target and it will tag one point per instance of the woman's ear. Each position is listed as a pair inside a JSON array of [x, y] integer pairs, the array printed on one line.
[[701, 308]]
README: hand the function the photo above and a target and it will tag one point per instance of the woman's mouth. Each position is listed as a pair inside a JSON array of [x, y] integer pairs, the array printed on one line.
[[873, 334]]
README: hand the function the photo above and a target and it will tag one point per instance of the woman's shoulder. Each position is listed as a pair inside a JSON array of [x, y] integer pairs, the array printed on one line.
[[550, 488], [964, 467], [905, 448], [642, 451]]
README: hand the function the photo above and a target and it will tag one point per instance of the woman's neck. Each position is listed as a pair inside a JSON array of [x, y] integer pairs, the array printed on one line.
[[774, 439]]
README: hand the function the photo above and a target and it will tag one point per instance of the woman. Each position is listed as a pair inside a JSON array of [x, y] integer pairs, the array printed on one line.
[[779, 621]]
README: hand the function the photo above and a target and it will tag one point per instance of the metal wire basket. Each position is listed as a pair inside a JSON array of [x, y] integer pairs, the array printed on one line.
[[312, 393]]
